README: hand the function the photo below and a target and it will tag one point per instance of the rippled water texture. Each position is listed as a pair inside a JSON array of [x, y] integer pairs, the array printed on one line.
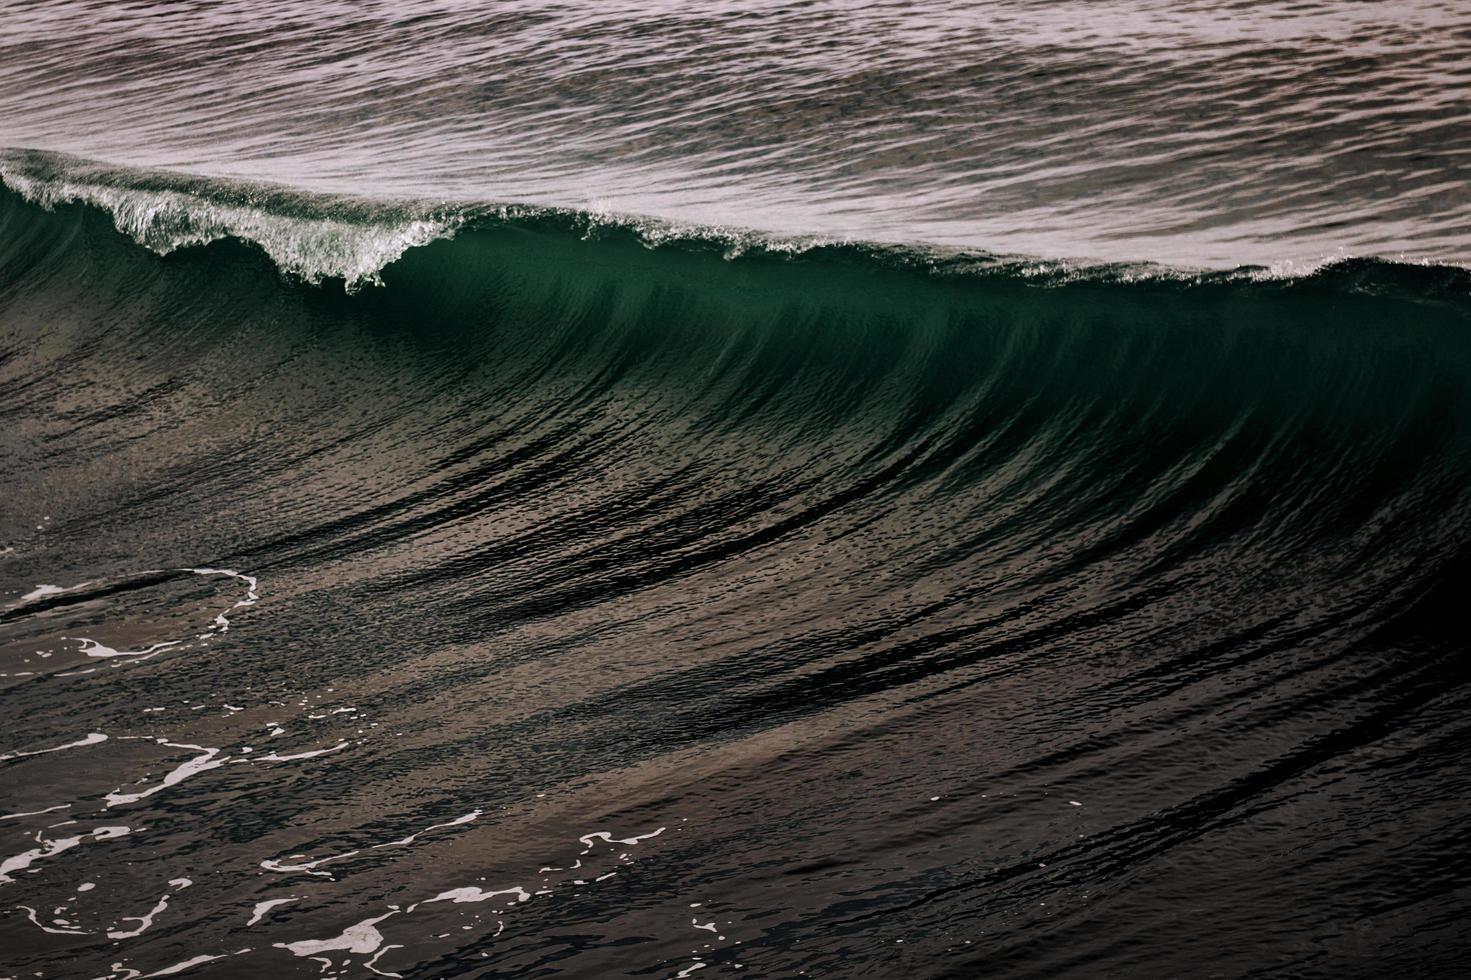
[[430, 547], [1209, 134]]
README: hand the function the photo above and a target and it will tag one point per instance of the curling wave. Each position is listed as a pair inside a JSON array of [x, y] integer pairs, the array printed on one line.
[[321, 237], [968, 588]]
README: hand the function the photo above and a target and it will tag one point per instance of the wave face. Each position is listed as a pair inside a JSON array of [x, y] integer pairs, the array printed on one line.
[[1206, 134], [589, 604]]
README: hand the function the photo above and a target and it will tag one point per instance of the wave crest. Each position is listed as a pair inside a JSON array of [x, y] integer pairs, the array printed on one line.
[[316, 238], [168, 212]]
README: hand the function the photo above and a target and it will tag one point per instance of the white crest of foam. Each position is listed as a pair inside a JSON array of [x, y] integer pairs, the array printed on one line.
[[367, 940], [145, 921], [97, 650], [311, 248]]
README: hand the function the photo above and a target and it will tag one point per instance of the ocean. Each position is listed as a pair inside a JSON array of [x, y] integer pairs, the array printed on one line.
[[767, 489]]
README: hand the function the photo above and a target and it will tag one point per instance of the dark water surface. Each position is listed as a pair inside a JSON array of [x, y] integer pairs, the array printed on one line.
[[406, 570]]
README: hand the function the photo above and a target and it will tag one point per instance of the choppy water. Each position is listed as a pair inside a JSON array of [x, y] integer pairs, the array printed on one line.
[[662, 492]]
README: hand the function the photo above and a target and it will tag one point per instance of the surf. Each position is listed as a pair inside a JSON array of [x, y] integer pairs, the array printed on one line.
[[544, 509]]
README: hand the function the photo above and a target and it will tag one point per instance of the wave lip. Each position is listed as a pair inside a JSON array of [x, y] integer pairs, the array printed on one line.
[[317, 238], [313, 238]]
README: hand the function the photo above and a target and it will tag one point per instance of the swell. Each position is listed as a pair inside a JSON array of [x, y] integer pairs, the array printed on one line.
[[1177, 556], [1051, 423]]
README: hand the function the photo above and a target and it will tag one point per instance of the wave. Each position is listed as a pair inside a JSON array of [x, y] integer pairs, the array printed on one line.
[[322, 237], [1194, 397], [1080, 576]]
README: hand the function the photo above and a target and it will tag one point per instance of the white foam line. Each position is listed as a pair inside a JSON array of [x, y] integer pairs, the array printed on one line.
[[94, 738], [201, 763], [98, 650], [458, 821], [471, 894], [36, 813], [273, 757], [146, 921], [307, 866], [222, 622], [31, 914], [366, 939], [588, 839], [261, 908], [92, 648], [189, 964], [372, 964], [51, 848], [310, 867]]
